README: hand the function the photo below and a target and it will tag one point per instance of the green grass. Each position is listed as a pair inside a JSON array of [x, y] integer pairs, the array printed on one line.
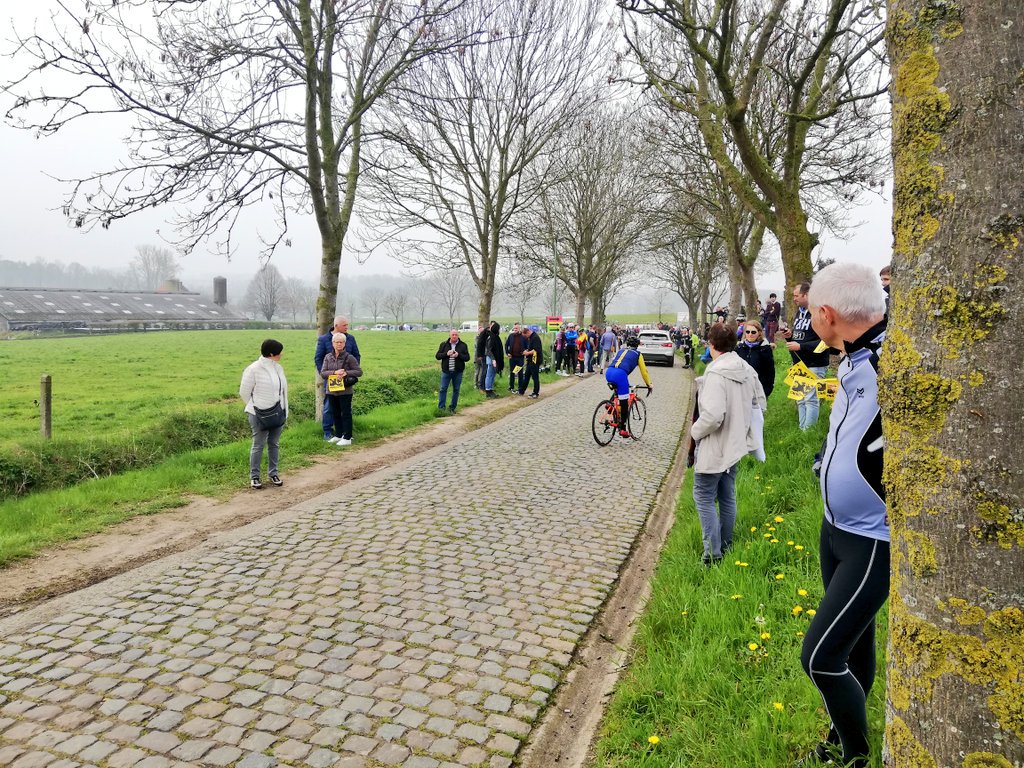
[[693, 681], [126, 383]]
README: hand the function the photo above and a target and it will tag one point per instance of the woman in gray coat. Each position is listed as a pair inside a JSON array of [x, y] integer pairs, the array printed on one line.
[[343, 365]]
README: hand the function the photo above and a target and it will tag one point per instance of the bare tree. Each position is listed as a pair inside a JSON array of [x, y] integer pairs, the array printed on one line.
[[688, 262], [373, 300], [952, 397], [785, 97], [421, 294], [466, 129], [266, 292], [235, 104], [521, 284], [152, 265], [299, 298], [452, 288], [394, 302], [591, 217]]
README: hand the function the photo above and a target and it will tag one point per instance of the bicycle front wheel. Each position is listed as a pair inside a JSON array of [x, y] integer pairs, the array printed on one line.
[[637, 419], [604, 422]]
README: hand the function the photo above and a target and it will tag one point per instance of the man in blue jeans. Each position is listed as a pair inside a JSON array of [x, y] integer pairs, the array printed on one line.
[[803, 340], [323, 346], [453, 354]]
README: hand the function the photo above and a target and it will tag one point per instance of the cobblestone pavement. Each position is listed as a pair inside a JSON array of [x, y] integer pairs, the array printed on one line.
[[419, 619]]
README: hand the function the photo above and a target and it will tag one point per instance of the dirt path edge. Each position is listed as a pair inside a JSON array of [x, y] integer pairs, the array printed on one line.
[[568, 730]]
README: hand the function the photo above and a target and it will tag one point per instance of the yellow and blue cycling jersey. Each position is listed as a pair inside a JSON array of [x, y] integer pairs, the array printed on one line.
[[622, 365]]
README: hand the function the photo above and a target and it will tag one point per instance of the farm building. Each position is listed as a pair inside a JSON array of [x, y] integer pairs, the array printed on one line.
[[33, 309]]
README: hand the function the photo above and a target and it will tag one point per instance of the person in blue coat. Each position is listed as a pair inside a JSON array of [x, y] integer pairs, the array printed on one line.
[[323, 346]]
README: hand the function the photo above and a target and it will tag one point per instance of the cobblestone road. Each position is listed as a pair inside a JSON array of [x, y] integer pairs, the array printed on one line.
[[421, 618]]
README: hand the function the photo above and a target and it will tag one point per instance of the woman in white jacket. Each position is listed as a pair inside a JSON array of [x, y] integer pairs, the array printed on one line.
[[264, 386], [723, 433]]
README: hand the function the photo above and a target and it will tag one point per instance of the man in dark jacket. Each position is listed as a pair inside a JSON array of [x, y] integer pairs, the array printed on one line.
[[479, 355], [494, 362], [453, 354], [534, 357], [515, 346], [323, 346]]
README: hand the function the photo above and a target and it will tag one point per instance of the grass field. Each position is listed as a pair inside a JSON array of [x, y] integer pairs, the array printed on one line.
[[125, 383], [715, 677]]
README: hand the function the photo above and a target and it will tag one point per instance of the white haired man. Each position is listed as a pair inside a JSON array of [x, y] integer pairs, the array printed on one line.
[[847, 308], [323, 346]]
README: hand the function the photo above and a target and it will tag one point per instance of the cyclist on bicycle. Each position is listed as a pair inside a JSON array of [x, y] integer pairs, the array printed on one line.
[[617, 375]]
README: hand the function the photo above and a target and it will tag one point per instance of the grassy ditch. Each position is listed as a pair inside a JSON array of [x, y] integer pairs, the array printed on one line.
[[715, 677]]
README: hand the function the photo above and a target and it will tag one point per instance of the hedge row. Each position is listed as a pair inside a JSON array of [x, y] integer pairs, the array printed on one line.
[[63, 462]]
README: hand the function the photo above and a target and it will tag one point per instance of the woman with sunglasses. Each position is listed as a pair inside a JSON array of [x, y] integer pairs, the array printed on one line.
[[758, 354]]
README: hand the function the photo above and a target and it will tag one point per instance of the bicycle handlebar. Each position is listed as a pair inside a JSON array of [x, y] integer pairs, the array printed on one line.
[[642, 386]]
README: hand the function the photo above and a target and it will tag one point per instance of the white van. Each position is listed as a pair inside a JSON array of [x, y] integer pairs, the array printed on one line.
[[469, 326]]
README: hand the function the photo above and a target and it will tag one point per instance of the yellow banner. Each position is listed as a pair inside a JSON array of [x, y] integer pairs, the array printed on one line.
[[801, 387], [827, 388], [335, 384], [796, 370]]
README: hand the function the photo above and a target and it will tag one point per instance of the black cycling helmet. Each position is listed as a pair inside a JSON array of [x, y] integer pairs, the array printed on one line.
[[632, 342]]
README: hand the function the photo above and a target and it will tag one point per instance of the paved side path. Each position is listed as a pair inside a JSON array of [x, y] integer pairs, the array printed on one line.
[[418, 620]]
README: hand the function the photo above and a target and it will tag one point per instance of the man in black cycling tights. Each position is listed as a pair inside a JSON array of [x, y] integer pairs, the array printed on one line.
[[617, 374], [847, 306]]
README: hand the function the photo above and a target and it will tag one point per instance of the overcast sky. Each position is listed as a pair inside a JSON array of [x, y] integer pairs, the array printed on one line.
[[32, 226]]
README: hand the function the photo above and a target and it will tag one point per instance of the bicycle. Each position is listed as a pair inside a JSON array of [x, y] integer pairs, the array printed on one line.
[[606, 416]]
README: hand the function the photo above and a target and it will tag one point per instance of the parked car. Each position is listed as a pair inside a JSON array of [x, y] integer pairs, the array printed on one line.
[[381, 327], [469, 326], [656, 347]]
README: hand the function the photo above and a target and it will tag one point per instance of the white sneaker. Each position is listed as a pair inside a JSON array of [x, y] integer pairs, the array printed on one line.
[[343, 441], [333, 439]]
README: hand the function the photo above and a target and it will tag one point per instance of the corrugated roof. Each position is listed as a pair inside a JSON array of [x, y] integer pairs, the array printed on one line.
[[47, 305]]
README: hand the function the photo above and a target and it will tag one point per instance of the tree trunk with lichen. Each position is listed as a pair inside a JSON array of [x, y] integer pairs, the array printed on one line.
[[951, 386]]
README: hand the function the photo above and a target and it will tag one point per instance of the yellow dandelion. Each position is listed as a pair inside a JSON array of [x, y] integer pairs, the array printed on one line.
[[771, 527], [684, 613], [753, 528], [767, 535], [802, 592], [779, 518], [811, 611], [752, 646], [766, 635], [653, 739], [736, 597], [790, 543], [780, 576], [741, 564], [799, 634], [797, 610], [774, 541], [757, 477], [798, 547], [778, 706]]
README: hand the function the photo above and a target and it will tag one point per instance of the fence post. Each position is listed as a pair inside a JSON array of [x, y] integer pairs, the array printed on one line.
[[45, 401]]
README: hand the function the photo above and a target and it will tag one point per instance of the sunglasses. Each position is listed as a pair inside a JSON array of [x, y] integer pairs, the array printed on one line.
[[751, 333]]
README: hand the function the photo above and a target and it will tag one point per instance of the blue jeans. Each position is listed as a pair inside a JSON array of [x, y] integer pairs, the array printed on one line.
[[491, 373], [455, 379], [716, 527], [328, 418], [809, 406], [262, 437]]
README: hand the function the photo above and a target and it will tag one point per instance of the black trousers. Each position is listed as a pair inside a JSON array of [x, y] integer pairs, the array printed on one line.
[[341, 410], [839, 647], [515, 380], [530, 373]]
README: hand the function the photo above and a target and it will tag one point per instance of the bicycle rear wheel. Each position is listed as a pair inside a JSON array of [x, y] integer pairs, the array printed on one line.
[[604, 422], [637, 419]]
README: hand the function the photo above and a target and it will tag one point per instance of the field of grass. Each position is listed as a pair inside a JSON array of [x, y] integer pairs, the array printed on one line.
[[103, 386], [715, 677]]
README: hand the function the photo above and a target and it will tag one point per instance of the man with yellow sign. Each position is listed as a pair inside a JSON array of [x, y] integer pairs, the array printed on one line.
[[805, 348]]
